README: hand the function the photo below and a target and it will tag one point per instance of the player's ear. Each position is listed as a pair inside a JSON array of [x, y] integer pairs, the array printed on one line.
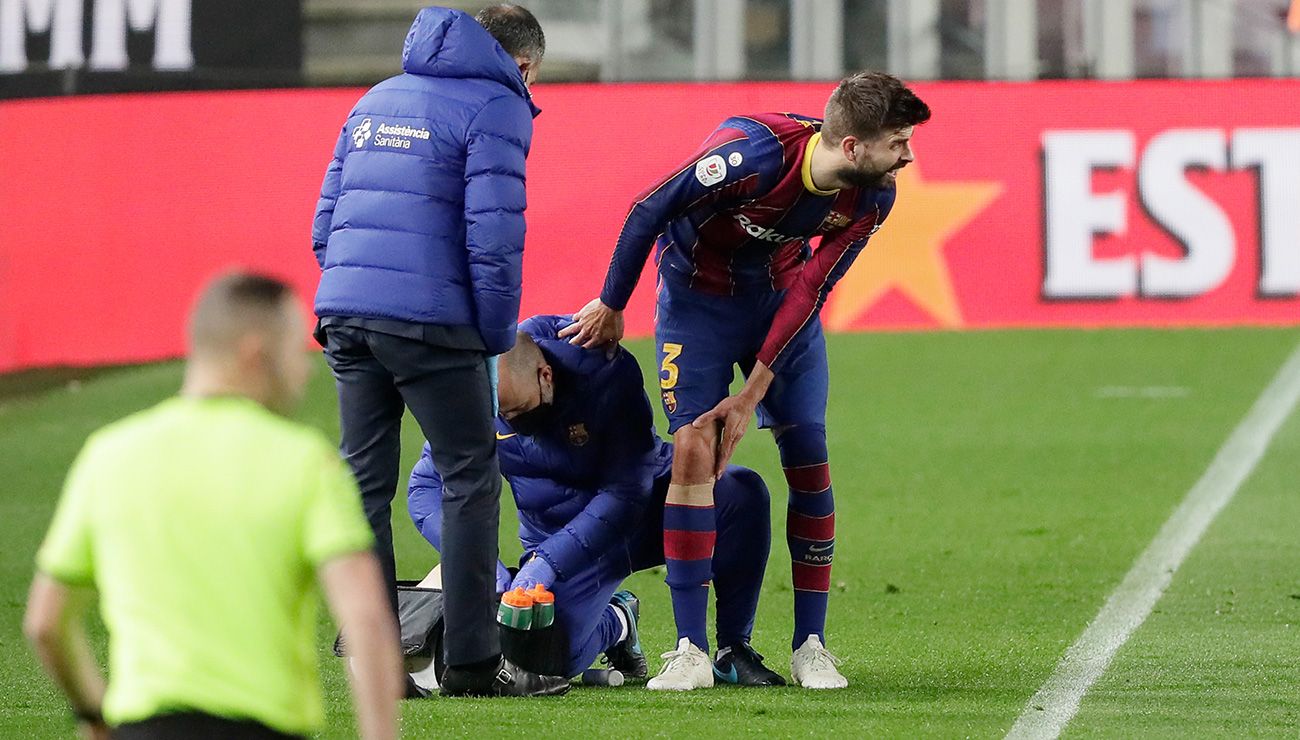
[[528, 69], [546, 384], [848, 148]]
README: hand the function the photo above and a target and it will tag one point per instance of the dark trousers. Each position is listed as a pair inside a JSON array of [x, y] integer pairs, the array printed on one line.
[[196, 726], [744, 525], [450, 396]]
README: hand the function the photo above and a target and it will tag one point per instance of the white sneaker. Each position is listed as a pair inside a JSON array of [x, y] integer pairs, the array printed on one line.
[[813, 666], [688, 667]]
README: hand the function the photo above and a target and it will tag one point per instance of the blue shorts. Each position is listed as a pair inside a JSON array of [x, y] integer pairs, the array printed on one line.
[[701, 338]]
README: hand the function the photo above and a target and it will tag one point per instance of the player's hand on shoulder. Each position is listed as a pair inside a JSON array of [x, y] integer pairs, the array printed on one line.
[[596, 325]]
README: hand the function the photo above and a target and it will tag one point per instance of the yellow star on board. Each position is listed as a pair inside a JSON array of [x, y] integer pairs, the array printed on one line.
[[907, 253]]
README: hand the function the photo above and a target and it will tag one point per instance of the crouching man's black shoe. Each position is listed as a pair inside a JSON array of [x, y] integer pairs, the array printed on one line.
[[627, 656], [507, 679], [742, 665]]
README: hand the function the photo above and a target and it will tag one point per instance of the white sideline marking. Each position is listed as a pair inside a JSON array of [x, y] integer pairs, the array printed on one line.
[[1051, 708]]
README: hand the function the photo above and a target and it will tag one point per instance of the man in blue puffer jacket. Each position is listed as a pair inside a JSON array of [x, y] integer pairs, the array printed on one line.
[[589, 476], [419, 234]]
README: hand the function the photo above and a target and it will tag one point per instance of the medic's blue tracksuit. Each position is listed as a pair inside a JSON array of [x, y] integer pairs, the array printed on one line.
[[589, 484]]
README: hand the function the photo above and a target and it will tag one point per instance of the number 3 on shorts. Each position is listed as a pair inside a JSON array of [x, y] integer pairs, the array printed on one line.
[[668, 368]]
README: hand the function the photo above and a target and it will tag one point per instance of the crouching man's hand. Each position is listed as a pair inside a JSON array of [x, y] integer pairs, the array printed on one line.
[[503, 578], [535, 571]]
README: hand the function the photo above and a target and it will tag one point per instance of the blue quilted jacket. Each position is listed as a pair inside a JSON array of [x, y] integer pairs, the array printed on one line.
[[421, 217], [582, 482]]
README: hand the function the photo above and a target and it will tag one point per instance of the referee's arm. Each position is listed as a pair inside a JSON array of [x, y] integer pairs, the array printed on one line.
[[338, 542], [358, 601], [55, 624], [61, 596]]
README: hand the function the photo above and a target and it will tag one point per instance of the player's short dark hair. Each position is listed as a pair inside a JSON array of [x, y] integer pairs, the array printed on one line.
[[525, 357], [233, 305], [868, 104], [516, 29]]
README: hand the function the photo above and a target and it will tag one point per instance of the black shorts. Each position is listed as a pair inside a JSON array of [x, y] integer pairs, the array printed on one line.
[[196, 726]]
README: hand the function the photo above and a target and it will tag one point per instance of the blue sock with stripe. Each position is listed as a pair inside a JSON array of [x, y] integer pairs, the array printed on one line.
[[689, 537], [810, 526]]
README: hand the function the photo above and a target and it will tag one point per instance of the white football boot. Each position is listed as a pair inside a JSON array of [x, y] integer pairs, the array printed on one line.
[[688, 667], [813, 666]]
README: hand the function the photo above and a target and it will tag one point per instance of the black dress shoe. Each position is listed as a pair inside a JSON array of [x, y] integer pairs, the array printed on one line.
[[413, 690], [507, 679]]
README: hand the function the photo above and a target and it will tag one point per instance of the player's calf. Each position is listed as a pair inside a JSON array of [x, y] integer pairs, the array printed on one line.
[[810, 526], [744, 540], [810, 535], [690, 533]]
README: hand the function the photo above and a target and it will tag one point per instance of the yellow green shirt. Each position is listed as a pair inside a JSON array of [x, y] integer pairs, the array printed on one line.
[[201, 522]]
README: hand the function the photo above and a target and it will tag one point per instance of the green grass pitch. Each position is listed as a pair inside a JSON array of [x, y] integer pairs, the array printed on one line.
[[992, 489]]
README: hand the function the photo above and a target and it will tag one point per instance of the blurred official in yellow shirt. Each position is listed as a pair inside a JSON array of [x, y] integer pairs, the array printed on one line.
[[204, 524]]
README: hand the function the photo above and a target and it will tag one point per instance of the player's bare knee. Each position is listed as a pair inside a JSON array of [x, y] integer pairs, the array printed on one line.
[[694, 454]]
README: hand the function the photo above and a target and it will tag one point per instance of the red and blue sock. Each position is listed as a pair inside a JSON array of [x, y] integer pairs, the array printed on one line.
[[690, 531], [810, 526]]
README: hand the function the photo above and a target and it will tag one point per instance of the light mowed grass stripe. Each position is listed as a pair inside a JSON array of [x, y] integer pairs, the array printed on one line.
[[1055, 703]]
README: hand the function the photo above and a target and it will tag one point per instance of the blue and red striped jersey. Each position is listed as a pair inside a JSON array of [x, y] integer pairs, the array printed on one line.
[[738, 218]]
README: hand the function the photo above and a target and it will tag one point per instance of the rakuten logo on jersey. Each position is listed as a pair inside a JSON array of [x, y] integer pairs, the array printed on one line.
[[762, 233], [1075, 215]]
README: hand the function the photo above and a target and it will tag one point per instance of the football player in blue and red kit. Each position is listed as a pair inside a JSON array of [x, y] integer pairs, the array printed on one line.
[[576, 441], [741, 284]]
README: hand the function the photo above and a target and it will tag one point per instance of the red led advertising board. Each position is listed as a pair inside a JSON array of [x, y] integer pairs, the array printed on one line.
[[1152, 203]]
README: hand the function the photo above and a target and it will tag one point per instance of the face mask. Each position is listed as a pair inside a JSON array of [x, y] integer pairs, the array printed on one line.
[[531, 423]]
